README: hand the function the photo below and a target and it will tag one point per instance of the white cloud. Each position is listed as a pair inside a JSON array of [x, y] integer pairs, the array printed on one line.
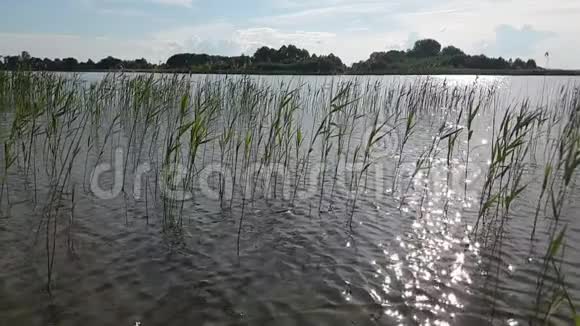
[[472, 26], [511, 41], [212, 38], [252, 38], [314, 15], [226, 39]]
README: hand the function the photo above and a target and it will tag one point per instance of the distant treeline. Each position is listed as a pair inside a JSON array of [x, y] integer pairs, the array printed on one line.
[[426, 55]]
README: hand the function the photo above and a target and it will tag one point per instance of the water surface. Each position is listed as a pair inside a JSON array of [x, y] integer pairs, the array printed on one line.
[[411, 257]]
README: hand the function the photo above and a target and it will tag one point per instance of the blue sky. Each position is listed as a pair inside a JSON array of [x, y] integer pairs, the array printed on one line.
[[155, 29]]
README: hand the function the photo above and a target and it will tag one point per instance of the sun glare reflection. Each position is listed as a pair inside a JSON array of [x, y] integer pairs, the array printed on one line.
[[426, 269]]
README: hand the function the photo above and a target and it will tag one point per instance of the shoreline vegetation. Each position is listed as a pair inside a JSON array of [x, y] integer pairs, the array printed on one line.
[[427, 57], [440, 72]]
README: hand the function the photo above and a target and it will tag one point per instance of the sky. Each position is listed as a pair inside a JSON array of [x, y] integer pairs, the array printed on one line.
[[351, 29]]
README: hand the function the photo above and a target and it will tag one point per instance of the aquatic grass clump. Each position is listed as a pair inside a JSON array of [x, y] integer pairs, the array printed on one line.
[[377, 133], [552, 291], [509, 148], [9, 160]]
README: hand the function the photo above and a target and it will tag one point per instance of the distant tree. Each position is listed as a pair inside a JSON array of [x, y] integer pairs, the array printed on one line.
[[70, 64], [451, 51], [518, 64], [47, 64], [109, 63], [86, 66], [181, 61], [90, 64], [426, 48], [387, 57], [25, 56], [458, 61], [380, 61], [57, 65], [395, 55], [531, 64], [240, 62], [330, 64], [136, 64], [12, 62], [35, 63], [291, 54], [265, 54], [501, 63], [284, 55], [477, 62]]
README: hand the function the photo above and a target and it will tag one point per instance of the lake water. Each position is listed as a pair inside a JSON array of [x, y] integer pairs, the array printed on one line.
[[333, 231]]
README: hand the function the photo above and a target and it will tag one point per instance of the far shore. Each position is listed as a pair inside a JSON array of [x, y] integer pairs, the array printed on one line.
[[434, 72]]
